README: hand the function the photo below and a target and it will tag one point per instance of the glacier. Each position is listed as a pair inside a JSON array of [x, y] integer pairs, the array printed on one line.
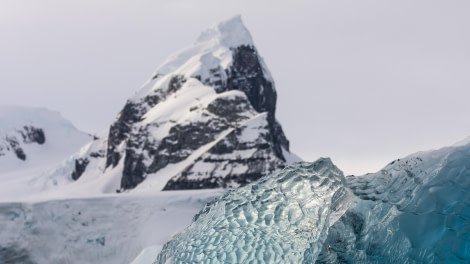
[[415, 210], [109, 229]]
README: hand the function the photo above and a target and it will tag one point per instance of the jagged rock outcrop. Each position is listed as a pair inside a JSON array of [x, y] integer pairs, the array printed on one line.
[[13, 141], [206, 119]]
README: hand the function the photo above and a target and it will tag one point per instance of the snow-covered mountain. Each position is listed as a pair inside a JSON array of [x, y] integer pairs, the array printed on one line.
[[32, 141], [415, 210], [206, 119], [32, 137]]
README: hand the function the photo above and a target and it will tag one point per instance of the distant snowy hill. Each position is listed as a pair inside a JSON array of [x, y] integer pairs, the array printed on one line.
[[31, 141], [206, 119], [34, 137]]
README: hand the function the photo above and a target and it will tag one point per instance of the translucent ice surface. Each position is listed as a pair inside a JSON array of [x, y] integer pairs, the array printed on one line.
[[415, 210], [282, 218]]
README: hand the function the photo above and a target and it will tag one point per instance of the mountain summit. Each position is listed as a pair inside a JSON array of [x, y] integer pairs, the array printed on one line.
[[206, 119]]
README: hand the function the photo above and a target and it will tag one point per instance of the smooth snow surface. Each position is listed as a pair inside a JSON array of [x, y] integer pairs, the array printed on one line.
[[274, 220]]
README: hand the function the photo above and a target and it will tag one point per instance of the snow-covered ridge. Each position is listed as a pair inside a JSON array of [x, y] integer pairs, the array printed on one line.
[[211, 48], [13, 117]]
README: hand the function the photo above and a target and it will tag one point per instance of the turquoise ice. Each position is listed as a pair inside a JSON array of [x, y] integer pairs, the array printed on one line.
[[415, 210], [282, 218]]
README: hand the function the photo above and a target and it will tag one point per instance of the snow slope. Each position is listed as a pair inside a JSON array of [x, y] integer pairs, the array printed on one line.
[[61, 138]]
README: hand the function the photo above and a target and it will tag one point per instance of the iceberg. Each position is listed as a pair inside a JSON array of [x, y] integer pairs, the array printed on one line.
[[415, 210], [282, 218]]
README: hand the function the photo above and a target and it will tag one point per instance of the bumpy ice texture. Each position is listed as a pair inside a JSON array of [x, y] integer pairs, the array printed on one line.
[[415, 210], [282, 218]]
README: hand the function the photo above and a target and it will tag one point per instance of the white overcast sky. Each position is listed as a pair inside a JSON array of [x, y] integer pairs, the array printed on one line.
[[363, 82]]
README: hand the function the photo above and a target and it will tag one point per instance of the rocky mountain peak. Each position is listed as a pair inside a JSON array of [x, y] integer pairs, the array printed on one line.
[[206, 119]]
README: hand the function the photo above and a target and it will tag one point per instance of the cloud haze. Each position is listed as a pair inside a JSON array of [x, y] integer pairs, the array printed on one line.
[[363, 82]]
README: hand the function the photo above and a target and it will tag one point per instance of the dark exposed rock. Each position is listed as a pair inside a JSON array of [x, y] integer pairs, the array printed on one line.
[[132, 113], [20, 153], [13, 142], [246, 75], [119, 131], [177, 146], [80, 166], [279, 139], [230, 109], [29, 134], [98, 154], [222, 157], [134, 170], [176, 82], [32, 134]]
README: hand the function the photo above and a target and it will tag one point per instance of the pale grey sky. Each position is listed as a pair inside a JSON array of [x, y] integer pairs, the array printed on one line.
[[363, 82]]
